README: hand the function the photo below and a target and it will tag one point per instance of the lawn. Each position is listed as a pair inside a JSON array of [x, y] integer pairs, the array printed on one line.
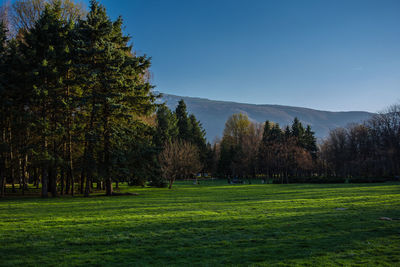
[[207, 225]]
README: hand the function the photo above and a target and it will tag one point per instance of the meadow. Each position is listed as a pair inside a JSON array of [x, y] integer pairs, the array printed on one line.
[[207, 225]]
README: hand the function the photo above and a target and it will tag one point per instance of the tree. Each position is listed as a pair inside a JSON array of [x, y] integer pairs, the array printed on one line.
[[166, 129], [114, 86], [297, 129], [3, 104], [239, 146], [310, 142], [73, 95], [22, 15], [338, 151], [265, 152], [367, 150], [179, 159], [45, 49], [184, 125], [236, 127], [250, 147], [197, 137]]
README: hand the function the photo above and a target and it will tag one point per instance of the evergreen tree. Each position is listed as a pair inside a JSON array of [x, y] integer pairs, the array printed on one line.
[[197, 137], [198, 134], [91, 36], [44, 49], [115, 88], [298, 131], [211, 159], [288, 132], [310, 142], [167, 129], [64, 84], [276, 134], [265, 149], [266, 132], [15, 100], [184, 125], [3, 104]]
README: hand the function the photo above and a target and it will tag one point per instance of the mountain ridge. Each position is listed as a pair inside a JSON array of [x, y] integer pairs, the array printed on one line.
[[214, 113]]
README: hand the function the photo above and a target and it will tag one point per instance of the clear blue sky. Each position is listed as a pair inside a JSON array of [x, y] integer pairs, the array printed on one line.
[[330, 55]]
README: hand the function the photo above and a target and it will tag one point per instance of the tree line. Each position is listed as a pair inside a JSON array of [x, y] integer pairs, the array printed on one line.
[[370, 150], [364, 152], [77, 107], [249, 150]]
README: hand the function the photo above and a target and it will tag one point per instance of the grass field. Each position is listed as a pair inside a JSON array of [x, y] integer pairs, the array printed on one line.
[[207, 225]]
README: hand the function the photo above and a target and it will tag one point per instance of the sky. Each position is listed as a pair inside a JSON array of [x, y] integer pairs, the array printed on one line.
[[329, 55]]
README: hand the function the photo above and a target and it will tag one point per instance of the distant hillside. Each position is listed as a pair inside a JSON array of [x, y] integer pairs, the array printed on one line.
[[213, 114]]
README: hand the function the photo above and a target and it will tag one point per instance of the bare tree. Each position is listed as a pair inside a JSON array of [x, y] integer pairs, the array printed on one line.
[[21, 15], [366, 150], [250, 146], [4, 15], [179, 159]]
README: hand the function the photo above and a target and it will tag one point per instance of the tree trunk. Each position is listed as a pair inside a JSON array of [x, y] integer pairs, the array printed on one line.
[[19, 172], [87, 187], [44, 181], [13, 185], [68, 144], [171, 181], [26, 172], [107, 162], [67, 184], [2, 180], [82, 183], [62, 181], [109, 189], [11, 162], [3, 165], [45, 174], [89, 169], [89, 161], [70, 169], [36, 177], [98, 185], [54, 192]]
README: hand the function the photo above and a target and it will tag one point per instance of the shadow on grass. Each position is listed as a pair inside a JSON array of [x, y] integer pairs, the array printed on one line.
[[269, 224], [205, 242]]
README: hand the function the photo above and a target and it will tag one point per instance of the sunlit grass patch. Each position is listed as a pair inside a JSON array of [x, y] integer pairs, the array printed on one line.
[[208, 224]]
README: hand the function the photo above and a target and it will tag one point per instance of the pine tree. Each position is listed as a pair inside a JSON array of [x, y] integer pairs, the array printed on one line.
[[264, 149], [276, 134], [45, 48], [167, 129], [183, 121], [197, 137], [288, 132], [90, 38], [298, 131], [15, 100], [310, 142], [3, 104], [115, 89], [266, 133]]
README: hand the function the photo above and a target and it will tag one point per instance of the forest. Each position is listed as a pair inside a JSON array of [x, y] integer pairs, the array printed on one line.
[[78, 113]]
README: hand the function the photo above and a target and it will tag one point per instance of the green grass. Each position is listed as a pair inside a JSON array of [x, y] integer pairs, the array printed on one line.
[[207, 225]]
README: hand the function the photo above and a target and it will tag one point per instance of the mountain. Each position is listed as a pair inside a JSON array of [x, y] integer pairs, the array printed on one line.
[[213, 114]]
